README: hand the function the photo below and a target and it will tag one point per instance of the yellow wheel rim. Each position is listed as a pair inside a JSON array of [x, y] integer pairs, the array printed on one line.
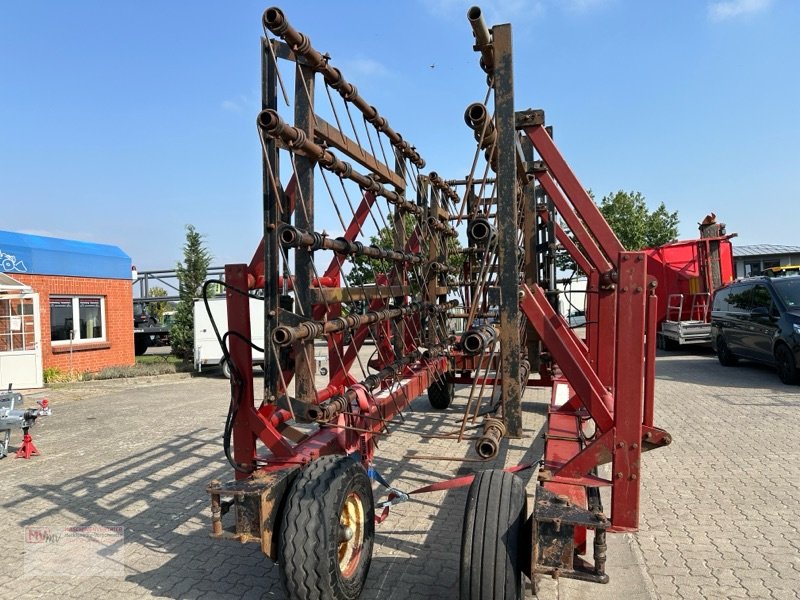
[[351, 534]]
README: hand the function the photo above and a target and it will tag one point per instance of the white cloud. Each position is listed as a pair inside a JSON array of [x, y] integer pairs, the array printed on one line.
[[729, 9], [242, 103], [231, 106], [366, 67]]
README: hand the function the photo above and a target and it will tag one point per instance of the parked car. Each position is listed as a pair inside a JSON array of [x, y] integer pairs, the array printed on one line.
[[143, 323], [576, 318], [759, 319]]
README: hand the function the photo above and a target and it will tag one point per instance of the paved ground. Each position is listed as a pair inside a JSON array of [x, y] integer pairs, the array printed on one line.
[[720, 509]]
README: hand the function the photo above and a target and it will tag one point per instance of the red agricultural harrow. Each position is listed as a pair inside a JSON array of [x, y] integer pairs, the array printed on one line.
[[439, 313]]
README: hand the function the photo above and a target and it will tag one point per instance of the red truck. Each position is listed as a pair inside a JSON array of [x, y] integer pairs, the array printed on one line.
[[687, 272]]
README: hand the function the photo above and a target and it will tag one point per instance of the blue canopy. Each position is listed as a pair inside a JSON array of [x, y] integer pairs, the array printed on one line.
[[39, 255]]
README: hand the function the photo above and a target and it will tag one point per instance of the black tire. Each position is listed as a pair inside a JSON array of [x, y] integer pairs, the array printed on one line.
[[786, 365], [141, 343], [441, 393], [226, 369], [323, 371], [492, 538], [724, 354], [316, 561]]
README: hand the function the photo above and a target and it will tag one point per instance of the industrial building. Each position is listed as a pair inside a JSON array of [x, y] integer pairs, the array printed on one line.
[[63, 303], [752, 260]]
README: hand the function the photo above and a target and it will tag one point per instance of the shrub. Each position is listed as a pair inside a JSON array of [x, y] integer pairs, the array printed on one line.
[[56, 375], [140, 370]]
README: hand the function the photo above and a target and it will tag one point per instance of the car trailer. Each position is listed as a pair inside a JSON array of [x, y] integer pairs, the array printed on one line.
[[303, 457]]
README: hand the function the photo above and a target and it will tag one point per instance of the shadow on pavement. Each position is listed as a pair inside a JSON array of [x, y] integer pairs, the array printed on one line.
[[703, 369]]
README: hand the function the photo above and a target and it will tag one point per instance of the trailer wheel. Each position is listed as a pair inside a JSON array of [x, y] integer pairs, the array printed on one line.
[[784, 360], [724, 354], [141, 343], [441, 393], [492, 540], [226, 369], [327, 531]]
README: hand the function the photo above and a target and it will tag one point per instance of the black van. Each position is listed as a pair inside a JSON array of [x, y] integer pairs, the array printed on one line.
[[759, 319]]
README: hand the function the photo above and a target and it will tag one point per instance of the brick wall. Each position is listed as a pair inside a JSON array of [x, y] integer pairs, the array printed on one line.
[[117, 349]]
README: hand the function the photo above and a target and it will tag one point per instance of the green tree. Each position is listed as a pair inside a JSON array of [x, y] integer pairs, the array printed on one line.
[[157, 309], [635, 225], [191, 275]]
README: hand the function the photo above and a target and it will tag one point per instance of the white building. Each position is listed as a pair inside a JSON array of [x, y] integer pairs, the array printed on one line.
[[752, 260]]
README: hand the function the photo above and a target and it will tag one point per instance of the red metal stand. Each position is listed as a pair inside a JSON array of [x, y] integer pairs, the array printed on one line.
[[27, 448]]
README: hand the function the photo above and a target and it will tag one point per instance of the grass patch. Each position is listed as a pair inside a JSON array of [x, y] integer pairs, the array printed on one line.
[[154, 359], [138, 370], [146, 366]]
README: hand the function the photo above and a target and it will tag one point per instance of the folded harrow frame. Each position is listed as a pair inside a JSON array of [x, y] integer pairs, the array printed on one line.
[[438, 314]]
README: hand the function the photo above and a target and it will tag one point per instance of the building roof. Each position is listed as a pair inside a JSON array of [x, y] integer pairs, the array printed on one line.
[[9, 284], [21, 253], [764, 250]]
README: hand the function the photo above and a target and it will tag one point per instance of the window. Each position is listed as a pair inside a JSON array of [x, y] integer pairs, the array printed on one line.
[[789, 291], [761, 298], [740, 298], [17, 329], [768, 264], [77, 318], [752, 268], [721, 299]]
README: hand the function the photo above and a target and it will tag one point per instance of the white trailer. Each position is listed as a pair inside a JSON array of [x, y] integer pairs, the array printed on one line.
[[206, 347]]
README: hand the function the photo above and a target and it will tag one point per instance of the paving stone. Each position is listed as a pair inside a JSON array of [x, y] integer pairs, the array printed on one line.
[[717, 523]]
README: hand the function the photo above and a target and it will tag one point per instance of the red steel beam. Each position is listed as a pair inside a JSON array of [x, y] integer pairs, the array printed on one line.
[[650, 359], [591, 248], [583, 203], [629, 390], [566, 349], [573, 251]]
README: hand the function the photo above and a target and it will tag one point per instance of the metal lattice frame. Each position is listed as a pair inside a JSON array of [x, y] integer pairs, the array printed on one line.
[[353, 172]]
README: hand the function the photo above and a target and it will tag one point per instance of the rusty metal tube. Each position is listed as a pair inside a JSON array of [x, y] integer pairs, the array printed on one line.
[[438, 225], [476, 341], [524, 373], [286, 334], [477, 118], [443, 307], [483, 39], [275, 20], [292, 237], [441, 185], [481, 231], [297, 140], [216, 511], [325, 411], [488, 445]]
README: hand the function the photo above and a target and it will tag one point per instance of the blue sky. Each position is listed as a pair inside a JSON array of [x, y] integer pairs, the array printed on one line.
[[121, 122]]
